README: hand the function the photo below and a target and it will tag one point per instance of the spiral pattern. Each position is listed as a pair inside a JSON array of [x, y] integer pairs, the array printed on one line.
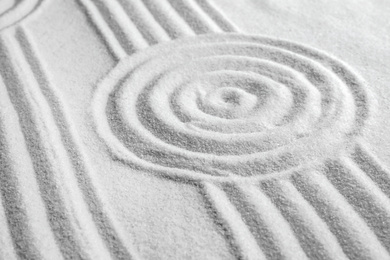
[[229, 106]]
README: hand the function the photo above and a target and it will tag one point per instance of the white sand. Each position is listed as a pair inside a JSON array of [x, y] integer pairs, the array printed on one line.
[[194, 129]]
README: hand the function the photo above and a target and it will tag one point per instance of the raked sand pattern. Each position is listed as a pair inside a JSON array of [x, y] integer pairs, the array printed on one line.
[[268, 131]]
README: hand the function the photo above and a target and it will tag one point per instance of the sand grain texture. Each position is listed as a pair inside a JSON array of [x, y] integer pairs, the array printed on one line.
[[145, 129]]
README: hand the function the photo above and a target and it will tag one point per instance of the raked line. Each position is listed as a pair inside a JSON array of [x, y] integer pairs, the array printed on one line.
[[243, 243], [219, 18], [114, 22], [102, 29], [194, 15], [356, 238], [151, 30], [83, 171], [334, 213], [22, 220], [304, 216], [312, 232], [69, 217], [363, 194], [265, 211], [372, 166], [128, 26], [321, 215]]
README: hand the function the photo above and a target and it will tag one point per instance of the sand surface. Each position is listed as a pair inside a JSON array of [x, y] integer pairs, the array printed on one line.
[[194, 129]]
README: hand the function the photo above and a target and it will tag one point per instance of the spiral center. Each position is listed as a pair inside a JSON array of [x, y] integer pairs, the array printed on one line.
[[229, 107], [231, 97], [230, 102]]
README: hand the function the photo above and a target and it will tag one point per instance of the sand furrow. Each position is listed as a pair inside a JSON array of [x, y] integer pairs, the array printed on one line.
[[24, 212], [108, 229], [273, 233], [147, 24], [128, 26], [241, 116], [363, 194], [102, 28], [311, 231], [354, 235], [195, 110], [7, 250], [69, 219], [191, 12], [168, 18], [126, 32], [242, 109], [242, 241], [371, 165], [224, 23]]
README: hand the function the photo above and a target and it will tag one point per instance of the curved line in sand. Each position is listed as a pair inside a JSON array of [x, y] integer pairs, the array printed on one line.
[[18, 12], [158, 141]]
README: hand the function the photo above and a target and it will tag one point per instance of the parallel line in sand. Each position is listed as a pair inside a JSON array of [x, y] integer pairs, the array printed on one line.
[[102, 28], [223, 22], [98, 21], [363, 194], [125, 30], [112, 19], [195, 17], [7, 250], [69, 221], [355, 237], [168, 18], [368, 162], [128, 26], [280, 230], [313, 233], [243, 243], [25, 210], [16, 237], [111, 235], [146, 23]]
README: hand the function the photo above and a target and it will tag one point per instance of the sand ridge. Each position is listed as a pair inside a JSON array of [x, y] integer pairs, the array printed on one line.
[[267, 130], [263, 130]]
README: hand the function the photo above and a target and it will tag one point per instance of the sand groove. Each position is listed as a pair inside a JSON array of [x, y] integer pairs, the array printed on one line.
[[65, 205], [48, 162], [152, 31], [58, 199], [102, 28], [201, 118], [126, 32], [224, 23], [310, 229], [183, 116], [129, 26], [169, 19], [372, 167], [252, 202], [243, 243], [362, 193], [19, 223], [83, 171], [354, 235], [251, 120], [7, 250], [194, 15]]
